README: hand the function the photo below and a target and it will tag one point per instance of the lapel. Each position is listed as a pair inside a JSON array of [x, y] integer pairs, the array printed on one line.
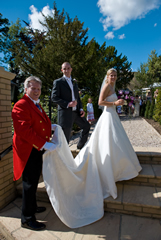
[[74, 87], [33, 106], [64, 82]]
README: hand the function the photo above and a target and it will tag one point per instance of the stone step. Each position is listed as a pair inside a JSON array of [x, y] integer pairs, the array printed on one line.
[[149, 157], [145, 155], [150, 175], [135, 200], [142, 201]]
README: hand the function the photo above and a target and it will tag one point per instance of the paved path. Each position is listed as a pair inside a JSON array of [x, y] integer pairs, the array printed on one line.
[[112, 226], [139, 131]]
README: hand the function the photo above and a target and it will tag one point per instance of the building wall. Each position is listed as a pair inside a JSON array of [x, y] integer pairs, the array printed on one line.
[[7, 185]]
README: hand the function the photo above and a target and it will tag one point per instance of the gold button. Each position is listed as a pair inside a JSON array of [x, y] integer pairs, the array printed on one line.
[[40, 121], [46, 136], [43, 129]]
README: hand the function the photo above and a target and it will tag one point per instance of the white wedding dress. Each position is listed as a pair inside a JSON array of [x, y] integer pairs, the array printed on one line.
[[77, 187]]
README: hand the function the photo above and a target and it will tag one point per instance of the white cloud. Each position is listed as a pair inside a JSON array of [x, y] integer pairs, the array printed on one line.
[[122, 36], [36, 16], [117, 13], [155, 24], [109, 35]]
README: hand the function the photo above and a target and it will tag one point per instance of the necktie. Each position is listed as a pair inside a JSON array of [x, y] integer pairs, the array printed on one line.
[[38, 106]]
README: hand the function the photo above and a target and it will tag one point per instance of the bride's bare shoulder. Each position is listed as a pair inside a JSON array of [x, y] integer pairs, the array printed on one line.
[[106, 88]]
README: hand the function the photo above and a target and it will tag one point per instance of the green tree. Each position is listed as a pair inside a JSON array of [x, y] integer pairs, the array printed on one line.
[[143, 107], [123, 67], [10, 56], [41, 53], [142, 80], [4, 27], [157, 109], [150, 72], [96, 63], [151, 109], [147, 109], [154, 67]]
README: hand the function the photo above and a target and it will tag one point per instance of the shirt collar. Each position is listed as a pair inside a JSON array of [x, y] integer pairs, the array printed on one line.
[[35, 102], [67, 78]]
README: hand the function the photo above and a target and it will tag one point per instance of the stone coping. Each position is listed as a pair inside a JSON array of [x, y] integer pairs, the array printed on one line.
[[5, 74], [141, 151]]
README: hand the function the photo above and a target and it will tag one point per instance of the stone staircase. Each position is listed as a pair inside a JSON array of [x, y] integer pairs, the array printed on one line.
[[140, 196]]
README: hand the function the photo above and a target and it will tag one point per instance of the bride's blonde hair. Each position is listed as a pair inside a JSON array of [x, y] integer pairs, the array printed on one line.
[[109, 72]]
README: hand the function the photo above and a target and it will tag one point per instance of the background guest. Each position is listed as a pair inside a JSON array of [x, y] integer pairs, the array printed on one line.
[[141, 104], [149, 97], [90, 111], [137, 106], [156, 94]]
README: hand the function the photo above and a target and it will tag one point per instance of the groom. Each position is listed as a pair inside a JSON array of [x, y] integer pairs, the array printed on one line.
[[65, 93]]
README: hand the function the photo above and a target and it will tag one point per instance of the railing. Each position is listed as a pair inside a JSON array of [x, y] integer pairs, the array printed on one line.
[[7, 150]]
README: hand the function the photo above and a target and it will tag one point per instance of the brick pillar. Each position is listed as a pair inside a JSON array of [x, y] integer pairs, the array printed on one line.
[[7, 186]]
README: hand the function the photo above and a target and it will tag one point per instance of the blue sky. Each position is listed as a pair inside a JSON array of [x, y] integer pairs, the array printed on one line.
[[132, 26]]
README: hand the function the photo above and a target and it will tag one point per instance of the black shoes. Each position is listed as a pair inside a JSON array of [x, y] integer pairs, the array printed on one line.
[[40, 209], [33, 225]]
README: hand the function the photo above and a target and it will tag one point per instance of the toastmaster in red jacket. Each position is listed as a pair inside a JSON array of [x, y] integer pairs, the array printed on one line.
[[32, 131]]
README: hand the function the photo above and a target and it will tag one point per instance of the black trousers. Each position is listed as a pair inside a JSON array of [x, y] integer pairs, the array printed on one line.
[[83, 124], [30, 179]]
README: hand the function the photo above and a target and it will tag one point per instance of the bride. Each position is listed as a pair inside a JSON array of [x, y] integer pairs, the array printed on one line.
[[77, 187]]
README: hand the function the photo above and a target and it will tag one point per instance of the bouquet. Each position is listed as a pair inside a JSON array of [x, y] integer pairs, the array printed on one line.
[[127, 96]]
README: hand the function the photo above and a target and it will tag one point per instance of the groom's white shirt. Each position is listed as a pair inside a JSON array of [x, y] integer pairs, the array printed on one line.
[[69, 81]]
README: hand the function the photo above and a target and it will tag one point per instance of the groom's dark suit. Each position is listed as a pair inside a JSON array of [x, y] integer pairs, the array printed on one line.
[[62, 95]]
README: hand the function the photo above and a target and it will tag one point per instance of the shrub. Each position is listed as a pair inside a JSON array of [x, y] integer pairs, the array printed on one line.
[[147, 109], [157, 109], [143, 107], [84, 100], [76, 128], [151, 109]]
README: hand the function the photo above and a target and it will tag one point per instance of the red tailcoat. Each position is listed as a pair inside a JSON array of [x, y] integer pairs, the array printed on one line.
[[32, 128]]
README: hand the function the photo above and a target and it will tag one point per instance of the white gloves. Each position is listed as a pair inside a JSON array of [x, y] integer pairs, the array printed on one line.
[[53, 126], [50, 146]]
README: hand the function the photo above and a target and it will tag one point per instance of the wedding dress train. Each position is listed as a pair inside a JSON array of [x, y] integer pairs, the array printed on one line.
[[74, 190], [77, 187]]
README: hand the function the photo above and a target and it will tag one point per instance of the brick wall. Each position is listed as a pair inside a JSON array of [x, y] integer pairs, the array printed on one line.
[[7, 186]]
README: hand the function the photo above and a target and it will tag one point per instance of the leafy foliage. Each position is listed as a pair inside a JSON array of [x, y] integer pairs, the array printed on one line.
[[151, 109], [142, 110], [41, 53], [150, 72], [147, 109], [84, 100], [4, 27], [157, 110]]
